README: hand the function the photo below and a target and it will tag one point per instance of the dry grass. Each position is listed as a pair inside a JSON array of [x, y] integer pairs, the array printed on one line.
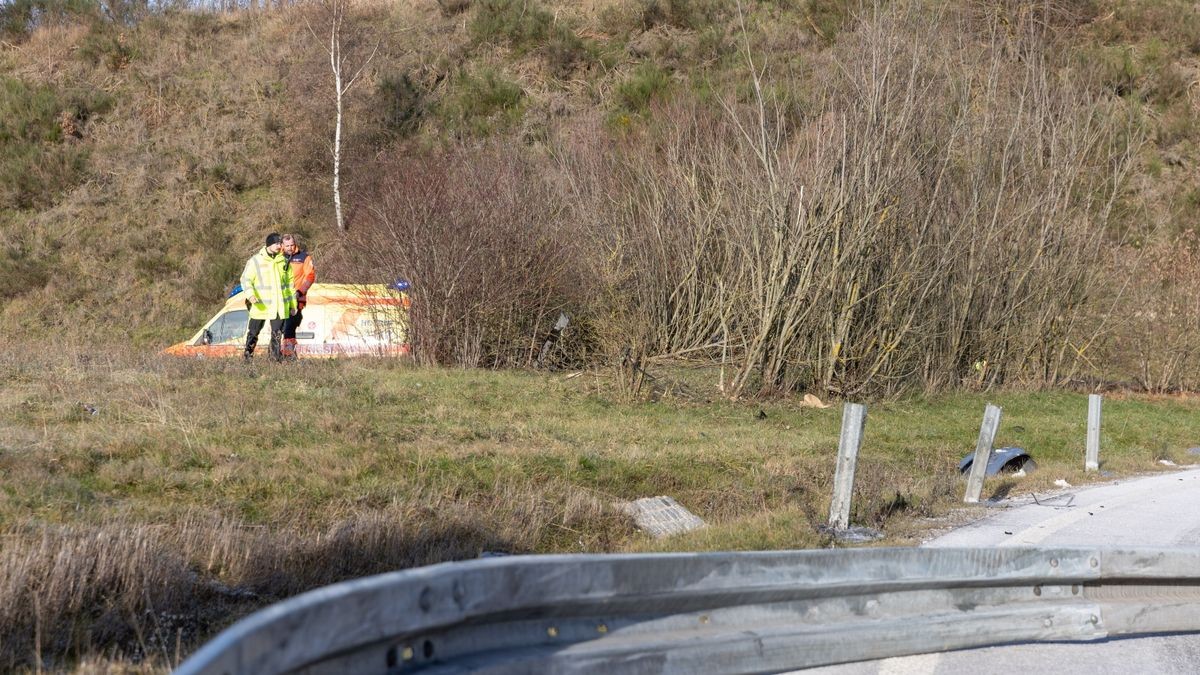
[[153, 591], [201, 490]]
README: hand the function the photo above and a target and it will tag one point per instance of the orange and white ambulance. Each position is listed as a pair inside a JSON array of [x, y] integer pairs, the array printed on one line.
[[339, 320]]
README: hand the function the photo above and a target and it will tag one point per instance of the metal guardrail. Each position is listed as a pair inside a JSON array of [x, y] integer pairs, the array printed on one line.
[[710, 612]]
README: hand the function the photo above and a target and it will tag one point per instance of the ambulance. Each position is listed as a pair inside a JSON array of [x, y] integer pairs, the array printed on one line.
[[339, 320]]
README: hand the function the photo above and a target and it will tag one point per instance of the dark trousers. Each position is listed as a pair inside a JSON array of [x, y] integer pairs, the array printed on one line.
[[252, 331], [291, 324]]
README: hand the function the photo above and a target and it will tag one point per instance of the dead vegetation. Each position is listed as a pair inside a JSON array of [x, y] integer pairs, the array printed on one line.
[[152, 592], [485, 242], [928, 220]]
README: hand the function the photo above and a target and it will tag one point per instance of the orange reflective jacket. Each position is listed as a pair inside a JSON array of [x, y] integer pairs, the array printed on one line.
[[303, 274]]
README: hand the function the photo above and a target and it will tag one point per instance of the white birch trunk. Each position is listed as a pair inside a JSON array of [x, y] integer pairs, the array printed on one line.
[[335, 62], [341, 85]]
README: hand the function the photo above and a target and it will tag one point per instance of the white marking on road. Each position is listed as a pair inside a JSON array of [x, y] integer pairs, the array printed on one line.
[[919, 664]]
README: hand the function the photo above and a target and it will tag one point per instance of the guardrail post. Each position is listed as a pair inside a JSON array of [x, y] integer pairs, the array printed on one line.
[[983, 452], [1091, 461], [854, 417]]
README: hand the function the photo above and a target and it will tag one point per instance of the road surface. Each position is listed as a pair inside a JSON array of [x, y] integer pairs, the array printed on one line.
[[1155, 511]]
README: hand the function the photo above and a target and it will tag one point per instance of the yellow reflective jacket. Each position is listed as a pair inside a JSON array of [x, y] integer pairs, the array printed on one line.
[[267, 282]]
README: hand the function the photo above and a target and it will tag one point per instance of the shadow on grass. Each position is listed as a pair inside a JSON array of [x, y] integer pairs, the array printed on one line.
[[151, 594]]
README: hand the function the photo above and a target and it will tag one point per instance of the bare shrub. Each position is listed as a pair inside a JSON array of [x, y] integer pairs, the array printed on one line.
[[479, 236], [1154, 333], [932, 217], [659, 252]]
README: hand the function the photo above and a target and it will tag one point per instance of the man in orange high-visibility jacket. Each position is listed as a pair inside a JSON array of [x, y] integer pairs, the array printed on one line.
[[303, 276]]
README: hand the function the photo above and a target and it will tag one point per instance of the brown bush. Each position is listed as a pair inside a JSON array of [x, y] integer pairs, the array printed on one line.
[[480, 237]]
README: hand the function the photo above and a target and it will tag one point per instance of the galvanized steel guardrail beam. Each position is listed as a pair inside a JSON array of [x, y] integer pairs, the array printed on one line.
[[709, 612]]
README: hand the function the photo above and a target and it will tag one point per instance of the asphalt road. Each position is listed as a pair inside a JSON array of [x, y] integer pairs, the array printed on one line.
[[1155, 511]]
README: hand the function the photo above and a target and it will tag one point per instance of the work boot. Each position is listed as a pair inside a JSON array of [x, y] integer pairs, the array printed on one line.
[[289, 349]]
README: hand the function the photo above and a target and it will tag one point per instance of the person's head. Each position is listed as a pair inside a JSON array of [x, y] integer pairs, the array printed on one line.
[[274, 243], [290, 244]]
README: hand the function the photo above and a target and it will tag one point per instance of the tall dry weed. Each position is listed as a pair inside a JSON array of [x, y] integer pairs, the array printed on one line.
[[152, 592]]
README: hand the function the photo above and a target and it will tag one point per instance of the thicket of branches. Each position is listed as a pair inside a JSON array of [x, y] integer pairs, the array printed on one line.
[[937, 212], [483, 239]]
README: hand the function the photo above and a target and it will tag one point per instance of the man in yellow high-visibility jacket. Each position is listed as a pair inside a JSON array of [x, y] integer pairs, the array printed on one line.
[[267, 282]]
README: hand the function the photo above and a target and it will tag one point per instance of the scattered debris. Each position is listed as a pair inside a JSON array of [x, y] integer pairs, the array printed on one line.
[[571, 376], [1056, 501], [661, 516], [234, 592], [855, 534], [553, 338], [1062, 483], [90, 409], [810, 401], [1167, 462], [1010, 460], [1193, 451]]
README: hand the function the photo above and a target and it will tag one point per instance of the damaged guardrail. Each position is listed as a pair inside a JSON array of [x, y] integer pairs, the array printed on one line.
[[710, 612]]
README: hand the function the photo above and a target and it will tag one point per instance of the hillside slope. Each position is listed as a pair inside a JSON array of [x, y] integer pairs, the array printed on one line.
[[144, 159]]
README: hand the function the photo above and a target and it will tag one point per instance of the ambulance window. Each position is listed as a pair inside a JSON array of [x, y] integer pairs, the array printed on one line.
[[230, 327]]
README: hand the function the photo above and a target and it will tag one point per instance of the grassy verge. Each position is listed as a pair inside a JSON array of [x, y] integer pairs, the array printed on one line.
[[145, 503]]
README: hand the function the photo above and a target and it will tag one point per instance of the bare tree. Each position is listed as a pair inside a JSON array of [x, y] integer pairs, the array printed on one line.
[[480, 236], [345, 46]]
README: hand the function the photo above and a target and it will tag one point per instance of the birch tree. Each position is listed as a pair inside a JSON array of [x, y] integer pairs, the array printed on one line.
[[345, 46]]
